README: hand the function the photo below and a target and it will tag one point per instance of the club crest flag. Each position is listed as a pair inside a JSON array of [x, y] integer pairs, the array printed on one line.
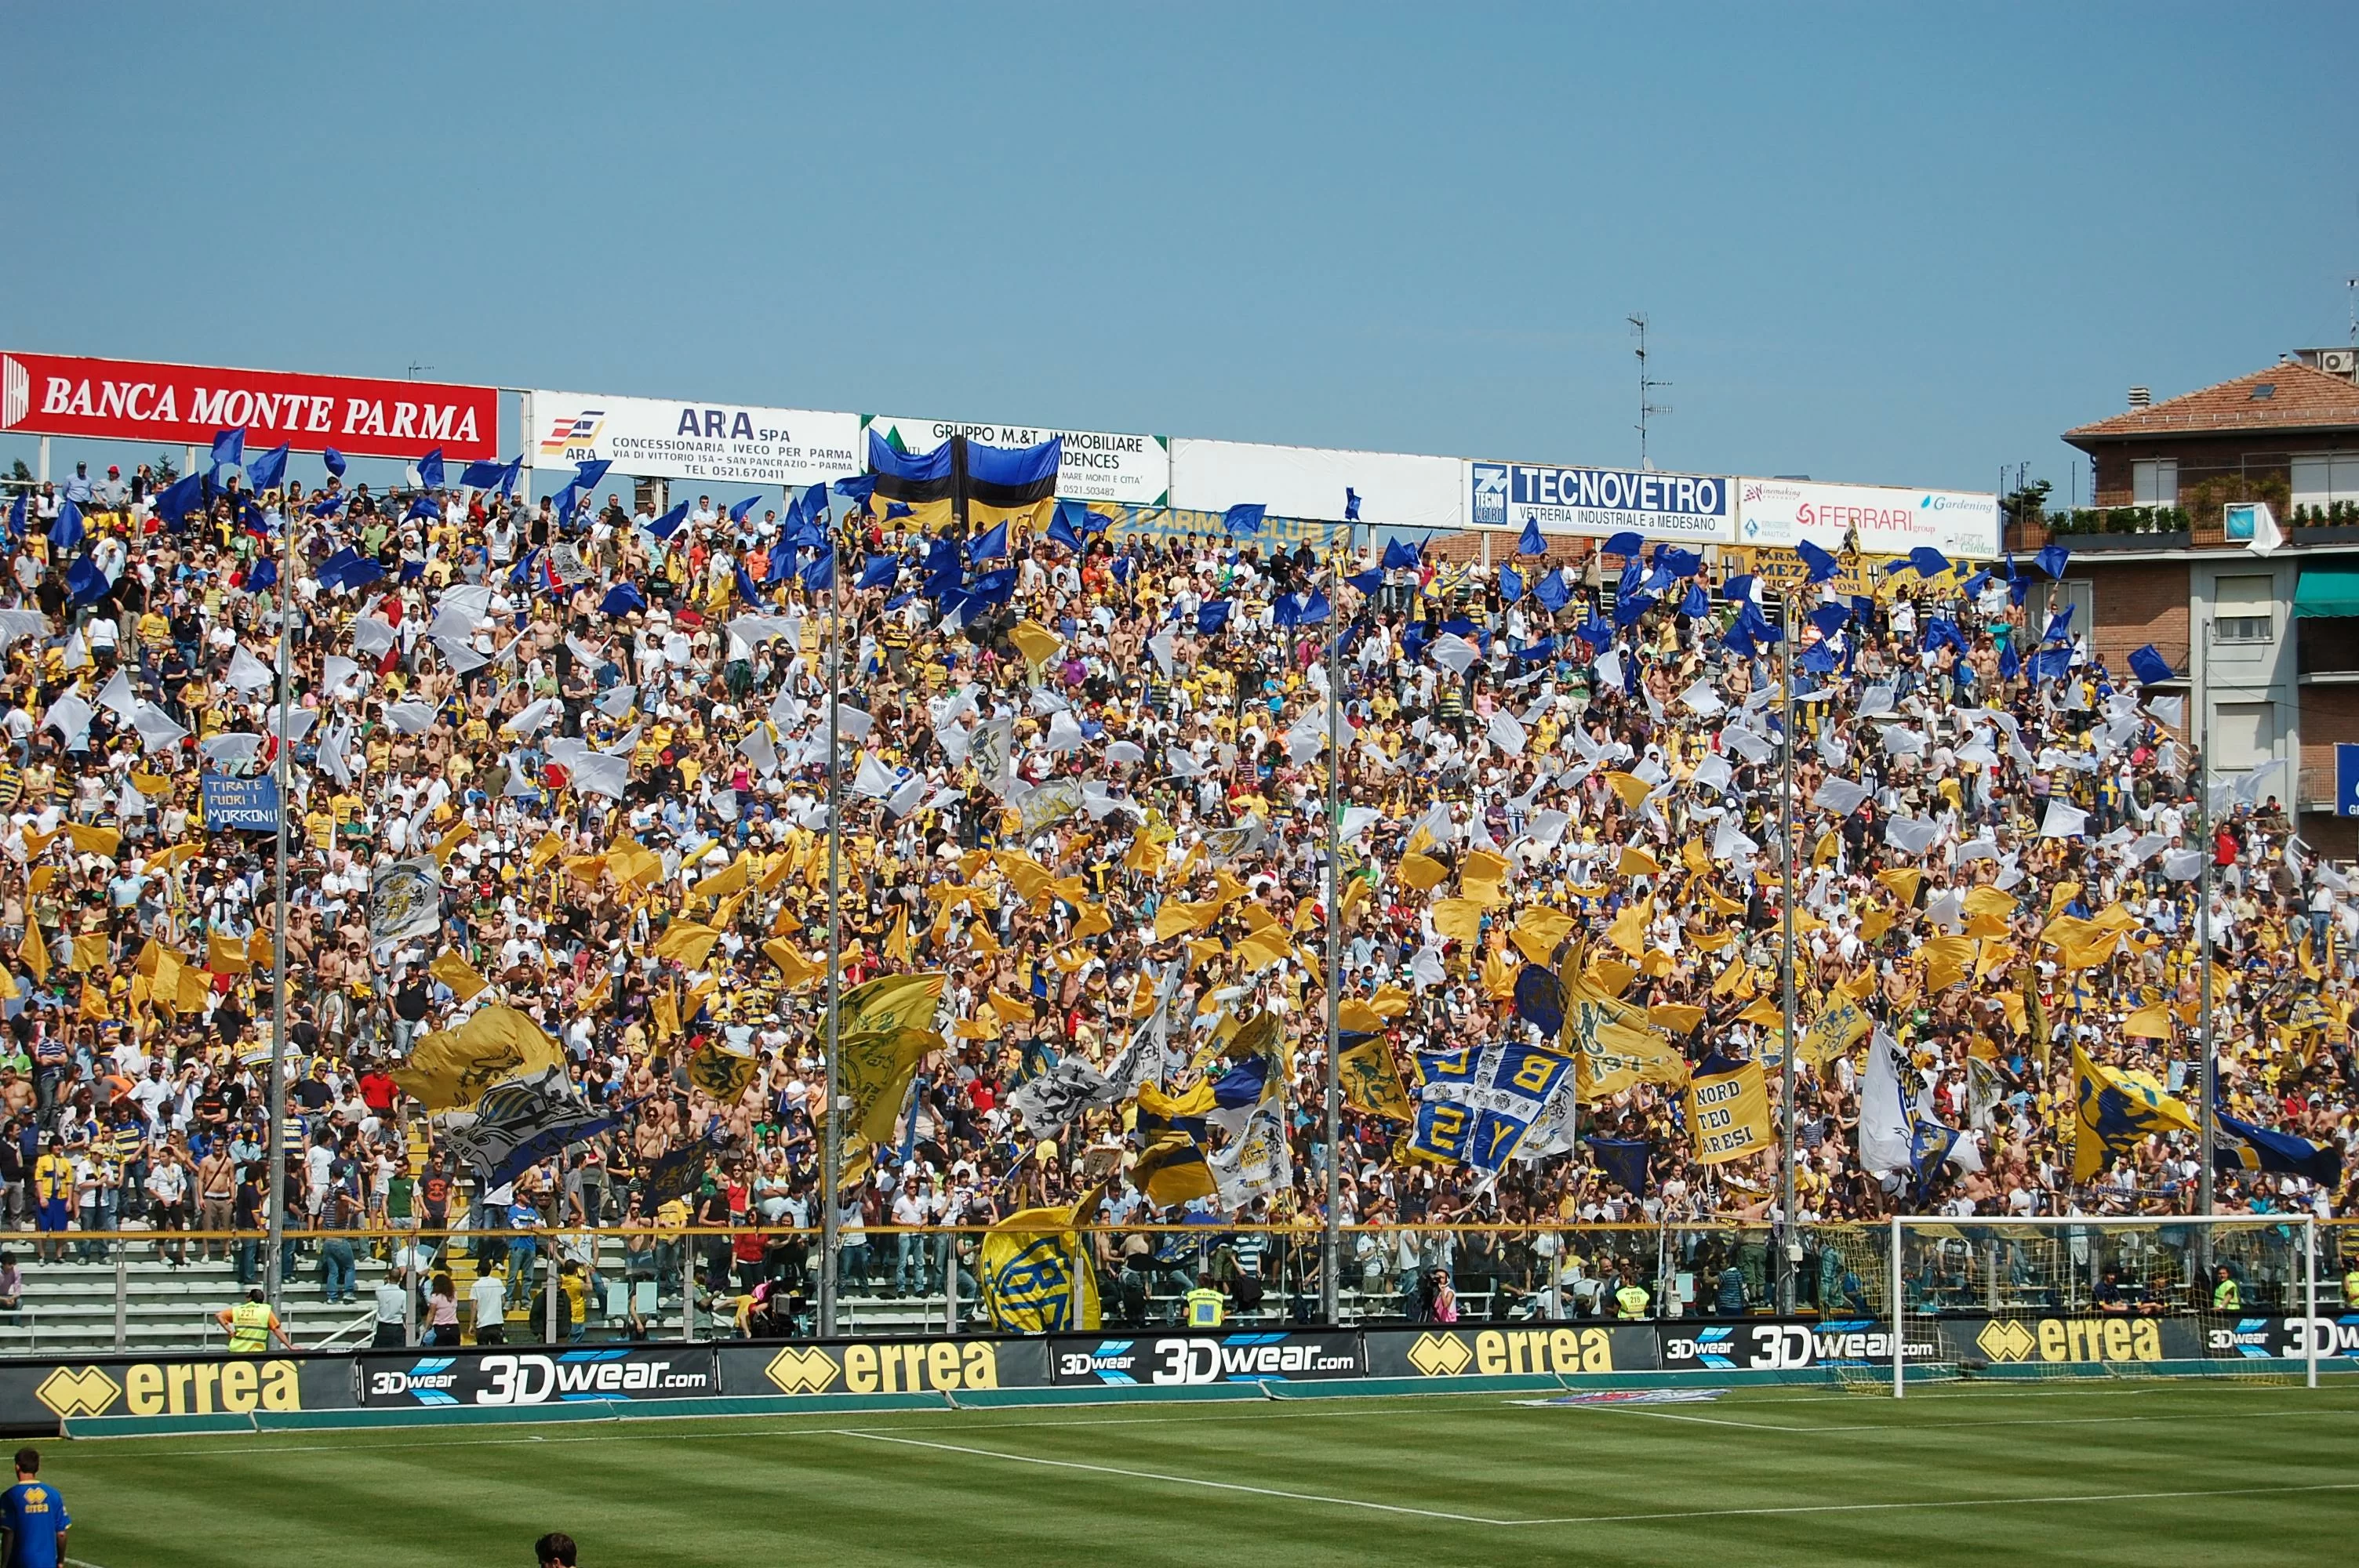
[[1728, 1110], [405, 900], [450, 1069], [2115, 1111], [1036, 1276], [1479, 1101], [523, 1120], [1371, 1081]]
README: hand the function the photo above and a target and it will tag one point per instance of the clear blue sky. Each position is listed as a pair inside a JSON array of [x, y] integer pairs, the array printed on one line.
[[1887, 242]]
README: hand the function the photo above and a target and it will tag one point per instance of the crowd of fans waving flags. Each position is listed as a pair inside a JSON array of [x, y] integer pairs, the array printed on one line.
[[1115, 807]]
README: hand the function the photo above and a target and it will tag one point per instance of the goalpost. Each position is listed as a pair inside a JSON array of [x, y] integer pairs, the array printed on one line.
[[2082, 1296]]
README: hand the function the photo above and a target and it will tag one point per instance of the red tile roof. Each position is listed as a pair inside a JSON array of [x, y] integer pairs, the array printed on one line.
[[2303, 399]]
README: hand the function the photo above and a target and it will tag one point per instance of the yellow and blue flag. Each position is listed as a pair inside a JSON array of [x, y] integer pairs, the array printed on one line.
[[2115, 1111], [1480, 1100], [2240, 1146], [1036, 1276]]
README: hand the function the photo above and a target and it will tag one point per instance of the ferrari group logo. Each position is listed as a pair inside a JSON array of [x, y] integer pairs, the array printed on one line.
[[70, 1393], [1440, 1355], [797, 1370]]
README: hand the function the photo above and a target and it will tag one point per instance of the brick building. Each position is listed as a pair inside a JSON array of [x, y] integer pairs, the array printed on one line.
[[2269, 643]]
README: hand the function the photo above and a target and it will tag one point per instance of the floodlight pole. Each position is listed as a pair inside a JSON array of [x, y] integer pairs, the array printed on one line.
[[832, 1159], [1330, 1248], [1783, 1238], [2204, 933], [275, 1099]]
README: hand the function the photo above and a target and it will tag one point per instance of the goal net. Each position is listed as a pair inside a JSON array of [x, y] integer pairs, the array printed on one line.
[[2235, 1296]]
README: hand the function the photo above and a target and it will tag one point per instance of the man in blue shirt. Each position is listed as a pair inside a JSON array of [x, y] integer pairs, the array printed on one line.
[[33, 1518]]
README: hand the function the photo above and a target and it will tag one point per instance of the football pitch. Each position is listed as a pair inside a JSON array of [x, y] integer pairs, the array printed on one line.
[[2150, 1473]]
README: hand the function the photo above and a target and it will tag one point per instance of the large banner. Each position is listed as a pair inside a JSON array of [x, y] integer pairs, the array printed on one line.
[[134, 400], [1094, 465], [1395, 490], [706, 443], [1874, 520], [1175, 1357], [250, 805], [1600, 503], [629, 1374]]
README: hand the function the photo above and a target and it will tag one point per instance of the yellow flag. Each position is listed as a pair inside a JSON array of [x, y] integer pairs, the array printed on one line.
[[1728, 1110], [686, 941], [1035, 1274], [1628, 930], [721, 883], [1372, 1081], [448, 844], [1947, 959], [1633, 789], [876, 1072], [1422, 872], [892, 1002], [723, 1073], [1904, 881], [1460, 919], [94, 840], [795, 971], [1035, 641], [458, 974], [450, 1069], [2116, 1110], [546, 848], [225, 955], [1637, 862]]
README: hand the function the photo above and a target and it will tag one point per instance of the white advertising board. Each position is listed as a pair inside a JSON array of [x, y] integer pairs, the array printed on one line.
[[1693, 509], [706, 443], [1888, 522], [1396, 490], [1095, 465]]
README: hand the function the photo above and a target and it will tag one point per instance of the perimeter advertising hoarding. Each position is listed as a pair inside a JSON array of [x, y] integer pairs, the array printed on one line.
[[1510, 1350], [1396, 490], [175, 405], [533, 1376], [1778, 512], [938, 1365], [1691, 508], [704, 443], [39, 1394], [1095, 465], [1174, 1358]]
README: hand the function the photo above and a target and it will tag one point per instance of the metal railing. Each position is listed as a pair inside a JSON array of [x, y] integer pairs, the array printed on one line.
[[122, 1293]]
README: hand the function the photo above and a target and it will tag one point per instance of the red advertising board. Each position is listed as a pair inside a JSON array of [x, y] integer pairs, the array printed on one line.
[[130, 400]]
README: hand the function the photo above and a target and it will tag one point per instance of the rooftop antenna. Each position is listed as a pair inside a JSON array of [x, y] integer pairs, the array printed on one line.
[[2351, 287], [1648, 408], [416, 369]]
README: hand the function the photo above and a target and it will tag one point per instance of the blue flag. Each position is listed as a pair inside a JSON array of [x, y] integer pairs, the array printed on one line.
[[737, 513], [67, 533], [85, 584], [1928, 561], [621, 600], [1401, 555], [1822, 566], [1539, 998], [2051, 560], [1552, 592], [1679, 563], [590, 475], [2150, 667], [880, 572], [1367, 581], [2243, 1146], [1061, 533], [859, 488], [265, 471], [1533, 543], [665, 526], [989, 545], [1624, 1161], [334, 460], [1243, 518], [1212, 616], [745, 588], [1511, 583], [429, 469], [262, 575], [1350, 504], [820, 571], [229, 448], [1625, 543], [18, 510]]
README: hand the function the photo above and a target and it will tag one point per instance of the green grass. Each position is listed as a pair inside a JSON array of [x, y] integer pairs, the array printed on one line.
[[2151, 1473]]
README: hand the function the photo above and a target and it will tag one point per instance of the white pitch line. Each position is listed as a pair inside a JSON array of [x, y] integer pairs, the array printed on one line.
[[1940, 1427], [1952, 1503], [1176, 1480]]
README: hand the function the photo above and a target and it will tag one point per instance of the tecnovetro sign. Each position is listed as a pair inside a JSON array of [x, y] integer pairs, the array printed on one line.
[[1886, 522], [709, 443], [1600, 503], [136, 400]]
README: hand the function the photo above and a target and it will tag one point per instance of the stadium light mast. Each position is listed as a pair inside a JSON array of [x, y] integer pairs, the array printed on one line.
[[831, 1136], [282, 777], [1783, 1235], [2203, 924]]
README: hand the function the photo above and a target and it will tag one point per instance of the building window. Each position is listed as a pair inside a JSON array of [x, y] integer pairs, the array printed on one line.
[[2154, 481], [2243, 735], [2244, 609], [2322, 479]]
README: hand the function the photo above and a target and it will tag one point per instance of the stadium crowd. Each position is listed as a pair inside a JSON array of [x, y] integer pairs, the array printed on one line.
[[1084, 778]]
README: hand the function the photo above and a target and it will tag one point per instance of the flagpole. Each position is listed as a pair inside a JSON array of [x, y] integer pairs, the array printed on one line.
[[2203, 925], [1783, 1237], [832, 1160], [274, 1139], [1330, 1249]]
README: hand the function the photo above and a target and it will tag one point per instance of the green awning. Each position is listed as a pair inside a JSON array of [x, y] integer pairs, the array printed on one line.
[[2327, 590]]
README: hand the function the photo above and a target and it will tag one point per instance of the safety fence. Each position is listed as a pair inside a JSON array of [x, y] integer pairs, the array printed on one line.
[[133, 1291]]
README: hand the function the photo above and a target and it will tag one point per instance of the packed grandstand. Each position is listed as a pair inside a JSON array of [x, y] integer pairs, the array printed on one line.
[[1137, 818]]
